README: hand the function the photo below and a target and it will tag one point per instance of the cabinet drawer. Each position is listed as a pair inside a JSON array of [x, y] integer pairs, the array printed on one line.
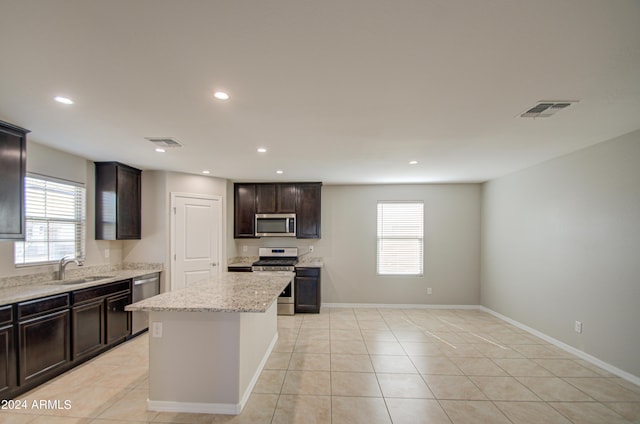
[[44, 305], [239, 269], [6, 314], [307, 272], [86, 295]]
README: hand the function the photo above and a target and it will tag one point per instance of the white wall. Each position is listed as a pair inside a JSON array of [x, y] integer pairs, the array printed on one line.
[[157, 187], [561, 242], [50, 162], [348, 245]]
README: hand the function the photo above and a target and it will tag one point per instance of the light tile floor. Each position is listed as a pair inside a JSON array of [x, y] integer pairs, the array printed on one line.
[[369, 366]]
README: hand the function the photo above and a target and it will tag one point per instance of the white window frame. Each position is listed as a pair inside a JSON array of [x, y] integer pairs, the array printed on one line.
[[399, 242], [43, 212]]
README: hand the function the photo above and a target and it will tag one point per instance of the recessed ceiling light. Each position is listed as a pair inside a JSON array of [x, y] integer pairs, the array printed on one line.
[[262, 150], [206, 171], [413, 162], [279, 171], [64, 100], [221, 95], [159, 150]]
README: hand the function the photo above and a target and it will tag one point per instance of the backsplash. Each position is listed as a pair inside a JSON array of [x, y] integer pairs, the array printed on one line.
[[77, 272]]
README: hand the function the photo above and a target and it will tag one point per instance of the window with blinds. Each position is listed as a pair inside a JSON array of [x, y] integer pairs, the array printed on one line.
[[55, 221], [400, 238]]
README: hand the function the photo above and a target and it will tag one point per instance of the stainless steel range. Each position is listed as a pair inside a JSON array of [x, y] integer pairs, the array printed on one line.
[[279, 259]]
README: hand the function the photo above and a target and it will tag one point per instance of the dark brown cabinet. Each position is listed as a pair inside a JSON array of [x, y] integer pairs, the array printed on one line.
[[308, 210], [307, 290], [13, 154], [43, 338], [303, 199], [244, 207], [99, 318], [87, 328], [118, 201], [275, 198], [8, 368], [118, 320]]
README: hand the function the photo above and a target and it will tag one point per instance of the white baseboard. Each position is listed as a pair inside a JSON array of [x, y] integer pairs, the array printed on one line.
[[214, 408], [579, 353], [193, 407], [398, 306]]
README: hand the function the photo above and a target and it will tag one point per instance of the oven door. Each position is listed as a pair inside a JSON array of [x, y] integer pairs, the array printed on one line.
[[286, 302]]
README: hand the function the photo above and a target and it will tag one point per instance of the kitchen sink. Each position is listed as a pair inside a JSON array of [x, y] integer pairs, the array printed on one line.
[[83, 280]]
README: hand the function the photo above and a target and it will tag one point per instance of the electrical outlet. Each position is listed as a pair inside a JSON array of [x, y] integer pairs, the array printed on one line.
[[577, 326], [429, 291], [244, 249], [106, 253], [310, 248], [156, 329]]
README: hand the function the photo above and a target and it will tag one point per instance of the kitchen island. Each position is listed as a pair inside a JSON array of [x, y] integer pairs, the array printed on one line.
[[209, 342]]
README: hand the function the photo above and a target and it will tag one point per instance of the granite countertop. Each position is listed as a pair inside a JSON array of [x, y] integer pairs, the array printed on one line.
[[25, 292], [227, 292], [304, 261]]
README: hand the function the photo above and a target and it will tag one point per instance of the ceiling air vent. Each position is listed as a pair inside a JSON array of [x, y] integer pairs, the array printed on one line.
[[545, 109], [164, 142]]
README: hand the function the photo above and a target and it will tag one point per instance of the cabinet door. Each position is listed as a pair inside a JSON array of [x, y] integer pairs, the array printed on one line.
[[308, 210], [43, 346], [128, 204], [244, 210], [13, 142], [118, 320], [265, 198], [8, 368], [118, 204], [286, 198], [88, 328], [307, 290]]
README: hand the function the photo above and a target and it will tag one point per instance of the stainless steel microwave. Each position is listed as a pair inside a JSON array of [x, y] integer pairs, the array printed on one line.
[[275, 225]]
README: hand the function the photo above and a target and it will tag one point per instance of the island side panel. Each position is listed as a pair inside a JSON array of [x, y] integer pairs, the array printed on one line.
[[258, 336], [195, 365]]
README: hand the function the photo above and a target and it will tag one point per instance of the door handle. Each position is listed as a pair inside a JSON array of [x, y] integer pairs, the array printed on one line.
[[214, 264]]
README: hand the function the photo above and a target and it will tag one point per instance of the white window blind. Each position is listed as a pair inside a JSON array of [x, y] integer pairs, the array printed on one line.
[[400, 238], [55, 221]]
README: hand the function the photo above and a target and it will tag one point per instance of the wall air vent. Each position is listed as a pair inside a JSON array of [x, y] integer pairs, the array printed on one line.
[[545, 109], [164, 142]]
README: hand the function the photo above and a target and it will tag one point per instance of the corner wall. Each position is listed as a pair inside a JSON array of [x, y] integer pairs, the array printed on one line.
[[561, 242]]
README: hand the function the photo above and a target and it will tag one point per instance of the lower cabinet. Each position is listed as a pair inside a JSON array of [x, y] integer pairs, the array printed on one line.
[[43, 338], [307, 290], [118, 320], [8, 366], [99, 318], [88, 328]]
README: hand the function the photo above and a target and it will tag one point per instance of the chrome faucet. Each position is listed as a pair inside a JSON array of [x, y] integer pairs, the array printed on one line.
[[62, 265]]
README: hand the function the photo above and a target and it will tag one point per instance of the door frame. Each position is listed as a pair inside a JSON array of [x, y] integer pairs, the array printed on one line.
[[172, 205]]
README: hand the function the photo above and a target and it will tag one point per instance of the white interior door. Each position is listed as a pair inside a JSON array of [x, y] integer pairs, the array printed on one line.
[[196, 226]]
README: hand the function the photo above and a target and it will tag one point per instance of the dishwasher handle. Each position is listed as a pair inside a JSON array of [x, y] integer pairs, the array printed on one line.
[[145, 281]]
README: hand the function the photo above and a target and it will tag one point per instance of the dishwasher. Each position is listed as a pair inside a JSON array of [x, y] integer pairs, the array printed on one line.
[[143, 287]]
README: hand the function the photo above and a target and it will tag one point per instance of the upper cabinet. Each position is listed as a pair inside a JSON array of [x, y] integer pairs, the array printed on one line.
[[303, 199], [308, 210], [13, 165], [275, 198], [244, 207], [118, 201]]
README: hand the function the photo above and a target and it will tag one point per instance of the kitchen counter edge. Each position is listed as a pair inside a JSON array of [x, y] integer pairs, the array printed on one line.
[[11, 295]]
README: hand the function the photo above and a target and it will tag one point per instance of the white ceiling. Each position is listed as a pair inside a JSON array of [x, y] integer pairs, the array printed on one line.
[[339, 91]]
